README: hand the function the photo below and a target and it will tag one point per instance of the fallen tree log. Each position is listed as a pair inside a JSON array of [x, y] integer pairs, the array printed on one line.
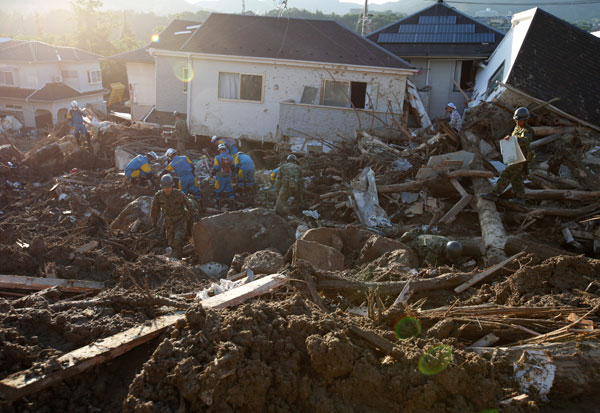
[[33, 380], [550, 130], [514, 245], [414, 185], [557, 212], [486, 273], [20, 282], [444, 281], [576, 364], [492, 230], [562, 194]]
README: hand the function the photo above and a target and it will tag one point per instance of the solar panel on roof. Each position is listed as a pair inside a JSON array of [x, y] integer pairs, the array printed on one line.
[[437, 19], [436, 38], [436, 28]]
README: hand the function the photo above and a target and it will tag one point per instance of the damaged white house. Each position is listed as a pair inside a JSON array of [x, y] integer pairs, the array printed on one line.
[[544, 60], [260, 78], [38, 81]]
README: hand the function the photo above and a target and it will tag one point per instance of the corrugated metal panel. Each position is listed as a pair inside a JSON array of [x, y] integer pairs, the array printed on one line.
[[436, 28], [436, 38], [437, 20]]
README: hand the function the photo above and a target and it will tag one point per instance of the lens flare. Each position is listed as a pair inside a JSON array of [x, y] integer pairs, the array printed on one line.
[[407, 328], [155, 38], [435, 360], [183, 71]]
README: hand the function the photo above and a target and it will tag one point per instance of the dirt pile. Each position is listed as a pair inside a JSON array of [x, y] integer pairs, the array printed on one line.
[[288, 357]]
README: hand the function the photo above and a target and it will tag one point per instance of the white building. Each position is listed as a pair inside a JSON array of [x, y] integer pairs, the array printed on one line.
[[445, 45], [545, 59], [260, 78], [38, 81]]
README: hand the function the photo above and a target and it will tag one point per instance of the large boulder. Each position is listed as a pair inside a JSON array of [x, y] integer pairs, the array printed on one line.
[[219, 237], [376, 246], [318, 255], [263, 262], [325, 236], [135, 216]]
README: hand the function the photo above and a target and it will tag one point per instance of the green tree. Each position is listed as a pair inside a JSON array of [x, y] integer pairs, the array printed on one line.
[[127, 40], [92, 31]]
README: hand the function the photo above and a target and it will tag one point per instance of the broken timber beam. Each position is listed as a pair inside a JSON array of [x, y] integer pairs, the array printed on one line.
[[30, 381], [460, 205], [487, 273], [551, 130], [20, 282], [492, 229]]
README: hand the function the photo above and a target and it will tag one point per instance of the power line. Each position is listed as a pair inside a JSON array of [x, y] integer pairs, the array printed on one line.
[[550, 3]]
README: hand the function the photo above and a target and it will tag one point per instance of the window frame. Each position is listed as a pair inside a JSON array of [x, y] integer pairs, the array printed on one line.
[[3, 77], [90, 76], [493, 78], [240, 74], [69, 74], [322, 97]]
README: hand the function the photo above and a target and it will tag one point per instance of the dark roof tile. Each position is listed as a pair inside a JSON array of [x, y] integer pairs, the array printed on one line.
[[59, 91], [288, 38], [34, 51], [15, 92], [140, 55], [169, 40], [557, 59]]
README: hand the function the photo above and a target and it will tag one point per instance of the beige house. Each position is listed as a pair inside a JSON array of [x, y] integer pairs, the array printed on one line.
[[261, 78], [38, 81]]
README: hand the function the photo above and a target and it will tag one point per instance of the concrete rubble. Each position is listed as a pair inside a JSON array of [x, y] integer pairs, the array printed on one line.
[[320, 311]]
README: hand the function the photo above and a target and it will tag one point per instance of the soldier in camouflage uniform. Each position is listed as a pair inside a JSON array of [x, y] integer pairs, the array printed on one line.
[[514, 174], [433, 249], [177, 210], [289, 182]]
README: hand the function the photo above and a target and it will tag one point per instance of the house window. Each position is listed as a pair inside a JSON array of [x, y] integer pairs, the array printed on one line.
[[94, 76], [240, 86], [497, 76], [464, 75], [69, 74], [7, 78], [185, 73], [336, 93]]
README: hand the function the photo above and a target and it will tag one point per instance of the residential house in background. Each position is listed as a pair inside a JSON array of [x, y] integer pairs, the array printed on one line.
[[141, 79], [261, 78], [172, 74], [545, 59], [38, 81], [446, 46]]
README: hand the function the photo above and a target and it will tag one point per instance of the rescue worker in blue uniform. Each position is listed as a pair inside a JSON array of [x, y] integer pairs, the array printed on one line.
[[244, 167], [184, 168], [139, 167], [75, 120], [228, 142], [222, 169]]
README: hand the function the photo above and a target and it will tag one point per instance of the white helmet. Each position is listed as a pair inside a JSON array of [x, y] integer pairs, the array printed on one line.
[[222, 146], [74, 104], [170, 152], [451, 105], [214, 139]]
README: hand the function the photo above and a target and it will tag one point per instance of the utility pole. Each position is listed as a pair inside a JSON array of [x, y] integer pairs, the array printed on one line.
[[243, 6], [365, 20]]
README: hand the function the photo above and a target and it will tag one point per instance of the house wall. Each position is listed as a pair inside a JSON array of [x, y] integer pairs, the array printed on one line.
[[258, 120], [169, 87], [436, 81], [81, 83], [506, 53], [142, 88]]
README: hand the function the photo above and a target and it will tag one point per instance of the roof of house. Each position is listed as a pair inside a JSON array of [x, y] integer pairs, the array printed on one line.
[[162, 117], [439, 30], [569, 72], [34, 51], [140, 55], [174, 36], [59, 91], [11, 92], [287, 38], [10, 43]]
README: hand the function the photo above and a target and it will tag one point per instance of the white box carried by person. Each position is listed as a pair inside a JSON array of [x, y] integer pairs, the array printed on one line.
[[511, 151]]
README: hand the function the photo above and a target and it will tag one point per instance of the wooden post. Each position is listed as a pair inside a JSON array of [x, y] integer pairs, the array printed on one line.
[[463, 202], [486, 273]]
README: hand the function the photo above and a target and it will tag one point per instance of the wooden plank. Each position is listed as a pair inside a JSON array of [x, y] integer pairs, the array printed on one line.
[[21, 282], [487, 273], [30, 381], [460, 205], [239, 276]]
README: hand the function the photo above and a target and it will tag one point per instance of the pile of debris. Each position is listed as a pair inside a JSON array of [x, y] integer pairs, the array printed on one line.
[[345, 310]]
